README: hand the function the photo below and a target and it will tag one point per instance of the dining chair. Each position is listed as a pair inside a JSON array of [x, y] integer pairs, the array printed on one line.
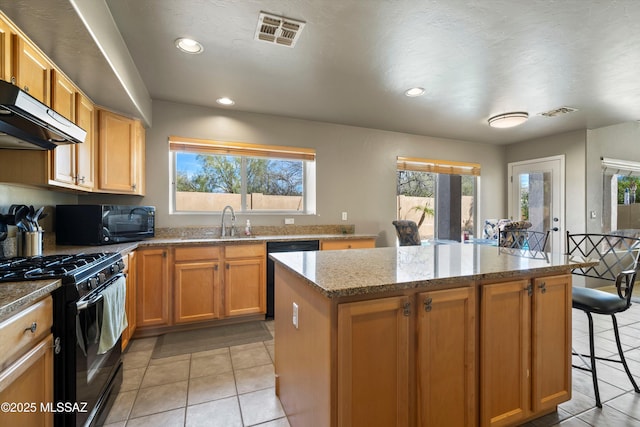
[[618, 256], [523, 239], [407, 232]]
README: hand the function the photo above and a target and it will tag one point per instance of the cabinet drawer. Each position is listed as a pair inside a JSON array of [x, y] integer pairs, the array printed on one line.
[[348, 244], [197, 253], [244, 251], [16, 337]]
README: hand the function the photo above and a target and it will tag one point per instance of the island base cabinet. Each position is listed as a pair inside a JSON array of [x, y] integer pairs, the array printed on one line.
[[446, 358], [373, 363], [526, 349]]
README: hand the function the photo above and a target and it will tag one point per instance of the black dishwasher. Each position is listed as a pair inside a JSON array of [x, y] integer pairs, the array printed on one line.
[[273, 247]]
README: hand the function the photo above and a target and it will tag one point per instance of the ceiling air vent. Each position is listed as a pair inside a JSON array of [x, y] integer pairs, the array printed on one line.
[[558, 111], [278, 29]]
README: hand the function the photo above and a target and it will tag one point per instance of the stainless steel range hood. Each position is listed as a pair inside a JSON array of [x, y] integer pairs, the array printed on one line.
[[28, 124]]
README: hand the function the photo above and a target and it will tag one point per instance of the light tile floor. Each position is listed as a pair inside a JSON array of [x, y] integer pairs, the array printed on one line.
[[227, 387], [234, 386]]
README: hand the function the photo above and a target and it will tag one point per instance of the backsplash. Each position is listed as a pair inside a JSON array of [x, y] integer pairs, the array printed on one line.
[[258, 230]]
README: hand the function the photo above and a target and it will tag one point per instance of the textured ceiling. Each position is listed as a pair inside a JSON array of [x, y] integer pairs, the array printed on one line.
[[355, 58]]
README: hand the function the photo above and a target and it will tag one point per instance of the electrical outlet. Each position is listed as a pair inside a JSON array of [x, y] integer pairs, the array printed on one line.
[[344, 216], [289, 221], [295, 315]]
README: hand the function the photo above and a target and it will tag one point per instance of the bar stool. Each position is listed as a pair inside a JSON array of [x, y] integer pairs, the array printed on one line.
[[407, 232], [618, 257], [523, 239]]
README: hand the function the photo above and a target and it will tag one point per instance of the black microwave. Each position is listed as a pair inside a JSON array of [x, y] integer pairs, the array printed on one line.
[[103, 224]]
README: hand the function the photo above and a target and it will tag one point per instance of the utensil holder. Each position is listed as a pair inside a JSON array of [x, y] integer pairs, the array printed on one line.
[[29, 243]]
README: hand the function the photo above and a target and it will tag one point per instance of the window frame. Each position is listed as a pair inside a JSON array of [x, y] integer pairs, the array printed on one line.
[[246, 150]]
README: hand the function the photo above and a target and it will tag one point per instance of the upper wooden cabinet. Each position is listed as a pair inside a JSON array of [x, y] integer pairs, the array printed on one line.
[[86, 152], [121, 159], [63, 100], [5, 50], [31, 69]]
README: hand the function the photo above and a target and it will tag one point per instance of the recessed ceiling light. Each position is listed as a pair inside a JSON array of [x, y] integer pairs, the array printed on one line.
[[225, 101], [508, 120], [414, 91], [189, 45]]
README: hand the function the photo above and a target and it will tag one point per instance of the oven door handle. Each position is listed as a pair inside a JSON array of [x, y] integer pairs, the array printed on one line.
[[83, 304]]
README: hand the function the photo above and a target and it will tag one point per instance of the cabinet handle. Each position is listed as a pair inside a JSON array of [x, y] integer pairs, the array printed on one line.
[[227, 266], [529, 289], [13, 79], [427, 304], [81, 179], [164, 254], [543, 287], [26, 89], [133, 186], [406, 309], [32, 328], [215, 267]]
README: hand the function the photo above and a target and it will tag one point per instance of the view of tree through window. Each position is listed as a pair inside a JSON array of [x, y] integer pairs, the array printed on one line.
[[245, 183]]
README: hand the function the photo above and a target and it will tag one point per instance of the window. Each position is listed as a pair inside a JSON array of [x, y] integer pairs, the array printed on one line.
[[440, 196], [209, 175], [621, 203]]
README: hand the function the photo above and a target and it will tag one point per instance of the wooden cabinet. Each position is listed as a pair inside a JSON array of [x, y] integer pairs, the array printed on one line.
[[5, 49], [85, 172], [31, 69], [121, 158], [130, 302], [244, 280], [373, 362], [446, 358], [196, 284], [328, 245], [63, 100], [26, 365], [526, 349], [153, 292]]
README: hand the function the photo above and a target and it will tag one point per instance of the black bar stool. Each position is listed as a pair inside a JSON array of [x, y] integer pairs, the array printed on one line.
[[618, 257]]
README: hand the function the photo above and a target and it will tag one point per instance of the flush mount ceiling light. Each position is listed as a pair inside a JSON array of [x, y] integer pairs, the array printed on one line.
[[414, 91], [225, 101], [508, 120], [189, 45]]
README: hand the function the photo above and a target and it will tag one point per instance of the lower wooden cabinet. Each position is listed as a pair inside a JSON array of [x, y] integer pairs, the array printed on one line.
[[446, 358], [29, 383], [376, 363], [328, 245], [245, 288], [26, 366], [373, 362], [153, 292], [525, 364], [130, 302], [196, 284]]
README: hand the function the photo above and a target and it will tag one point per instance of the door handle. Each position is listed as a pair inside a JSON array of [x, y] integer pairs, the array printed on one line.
[[555, 229]]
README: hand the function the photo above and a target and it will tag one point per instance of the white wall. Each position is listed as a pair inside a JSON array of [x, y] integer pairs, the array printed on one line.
[[572, 145], [348, 158]]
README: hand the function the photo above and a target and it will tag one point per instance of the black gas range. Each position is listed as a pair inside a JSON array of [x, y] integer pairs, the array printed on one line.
[[87, 372]]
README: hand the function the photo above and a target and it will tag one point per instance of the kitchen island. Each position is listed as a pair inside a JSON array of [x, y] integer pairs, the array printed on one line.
[[454, 334]]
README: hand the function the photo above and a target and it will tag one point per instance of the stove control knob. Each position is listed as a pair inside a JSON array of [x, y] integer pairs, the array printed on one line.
[[102, 277], [115, 268], [93, 283]]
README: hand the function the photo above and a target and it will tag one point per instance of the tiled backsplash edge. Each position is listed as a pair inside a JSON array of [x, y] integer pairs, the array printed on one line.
[[259, 230]]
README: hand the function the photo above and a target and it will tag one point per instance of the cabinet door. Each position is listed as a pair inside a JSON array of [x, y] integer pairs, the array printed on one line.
[[31, 69], [551, 359], [29, 381], [245, 286], [197, 291], [446, 357], [117, 145], [130, 302], [373, 363], [63, 100], [86, 152], [505, 353], [153, 287], [5, 50]]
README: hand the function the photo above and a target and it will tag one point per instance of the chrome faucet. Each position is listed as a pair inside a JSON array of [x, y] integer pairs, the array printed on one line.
[[233, 222]]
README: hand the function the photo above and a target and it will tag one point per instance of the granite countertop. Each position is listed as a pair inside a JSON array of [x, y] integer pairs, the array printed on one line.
[[367, 271], [16, 296]]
